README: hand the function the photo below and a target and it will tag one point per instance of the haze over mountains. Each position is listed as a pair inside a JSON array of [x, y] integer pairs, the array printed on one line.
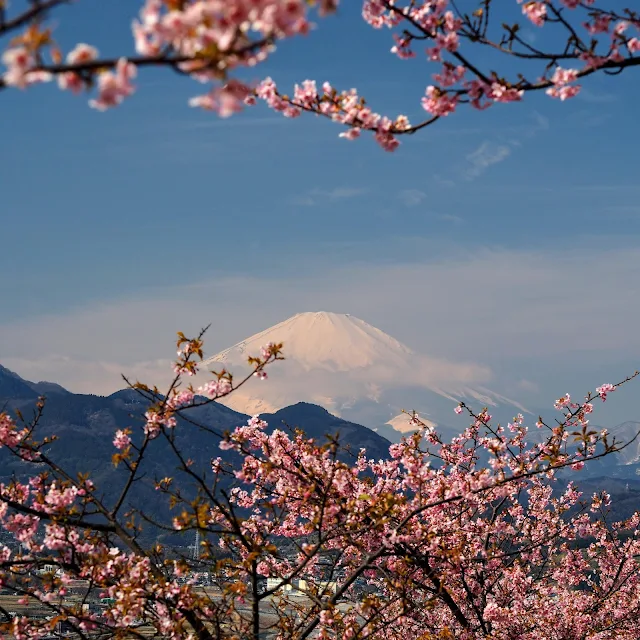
[[335, 364], [364, 375], [358, 372], [340, 372]]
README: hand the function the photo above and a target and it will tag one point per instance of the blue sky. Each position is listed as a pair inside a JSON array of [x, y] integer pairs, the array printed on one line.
[[508, 236]]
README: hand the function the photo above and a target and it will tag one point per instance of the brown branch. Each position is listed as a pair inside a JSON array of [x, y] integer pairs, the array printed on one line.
[[444, 594], [37, 9], [56, 518]]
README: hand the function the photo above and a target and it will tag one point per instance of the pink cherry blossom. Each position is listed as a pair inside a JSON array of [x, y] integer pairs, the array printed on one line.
[[450, 75], [121, 440], [21, 69], [535, 11], [439, 103], [501, 93], [114, 87], [80, 55], [634, 45], [604, 390], [225, 100]]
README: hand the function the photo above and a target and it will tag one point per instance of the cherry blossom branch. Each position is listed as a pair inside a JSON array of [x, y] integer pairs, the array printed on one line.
[[208, 40], [87, 68]]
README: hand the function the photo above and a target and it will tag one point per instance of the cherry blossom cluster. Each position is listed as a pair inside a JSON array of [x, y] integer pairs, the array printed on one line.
[[162, 415], [209, 40], [345, 107], [365, 514], [462, 81], [21, 65], [196, 27], [10, 435], [205, 39], [477, 535]]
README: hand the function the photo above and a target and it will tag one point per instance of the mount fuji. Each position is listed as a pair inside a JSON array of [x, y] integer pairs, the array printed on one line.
[[359, 373]]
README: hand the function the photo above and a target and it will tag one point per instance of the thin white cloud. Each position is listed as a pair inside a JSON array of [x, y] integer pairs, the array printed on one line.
[[340, 193], [492, 152], [596, 98], [540, 123], [528, 385], [485, 156], [449, 217], [494, 307], [318, 196], [304, 201], [442, 181], [589, 118], [411, 197]]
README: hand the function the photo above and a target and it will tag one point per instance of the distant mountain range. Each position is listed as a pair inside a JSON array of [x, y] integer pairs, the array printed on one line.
[[13, 387], [85, 425], [100, 415]]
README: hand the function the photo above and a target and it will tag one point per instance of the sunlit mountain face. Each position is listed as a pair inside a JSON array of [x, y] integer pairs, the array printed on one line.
[[358, 372]]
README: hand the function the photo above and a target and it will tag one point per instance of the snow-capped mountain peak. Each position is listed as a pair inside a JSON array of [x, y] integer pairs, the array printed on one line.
[[332, 341], [354, 370]]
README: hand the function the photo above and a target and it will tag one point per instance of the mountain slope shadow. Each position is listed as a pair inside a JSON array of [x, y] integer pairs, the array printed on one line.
[[84, 426]]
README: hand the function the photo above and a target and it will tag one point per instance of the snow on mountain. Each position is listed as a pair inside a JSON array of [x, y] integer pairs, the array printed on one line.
[[402, 424], [627, 432], [355, 371], [333, 341]]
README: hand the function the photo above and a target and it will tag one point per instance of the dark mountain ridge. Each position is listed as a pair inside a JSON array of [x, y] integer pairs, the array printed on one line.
[[85, 426]]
